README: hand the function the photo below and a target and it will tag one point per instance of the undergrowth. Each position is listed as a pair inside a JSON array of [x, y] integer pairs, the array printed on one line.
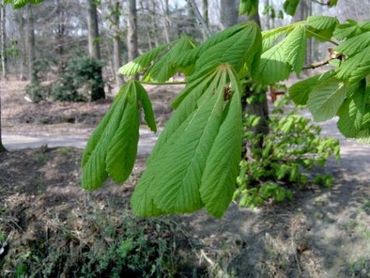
[[100, 244], [290, 152]]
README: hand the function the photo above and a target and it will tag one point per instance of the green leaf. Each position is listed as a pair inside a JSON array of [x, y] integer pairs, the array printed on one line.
[[321, 27], [177, 167], [147, 107], [248, 7], [143, 62], [93, 163], [356, 67], [111, 149], [273, 66], [271, 37], [325, 99], [222, 165], [354, 45], [122, 148], [300, 91], [290, 6], [168, 65], [295, 48], [142, 201], [235, 49]]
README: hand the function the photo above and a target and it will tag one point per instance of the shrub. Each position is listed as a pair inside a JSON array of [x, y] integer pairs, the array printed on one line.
[[292, 147], [79, 78]]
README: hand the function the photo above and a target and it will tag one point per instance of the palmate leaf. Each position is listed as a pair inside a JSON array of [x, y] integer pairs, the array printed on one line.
[[111, 149], [176, 178], [295, 48], [326, 98]]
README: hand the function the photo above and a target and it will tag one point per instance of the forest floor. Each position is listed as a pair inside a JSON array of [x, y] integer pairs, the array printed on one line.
[[322, 233]]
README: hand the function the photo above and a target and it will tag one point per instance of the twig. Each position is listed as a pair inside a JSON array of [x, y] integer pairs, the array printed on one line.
[[317, 65], [203, 25], [162, 83]]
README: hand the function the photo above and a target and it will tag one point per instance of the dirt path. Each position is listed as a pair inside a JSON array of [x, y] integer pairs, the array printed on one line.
[[19, 142]]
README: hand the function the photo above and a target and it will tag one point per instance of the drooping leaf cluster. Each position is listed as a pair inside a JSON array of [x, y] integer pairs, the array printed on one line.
[[111, 150], [344, 90], [194, 164]]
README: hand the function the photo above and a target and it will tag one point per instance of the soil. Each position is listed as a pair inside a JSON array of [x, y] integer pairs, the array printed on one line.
[[46, 118], [322, 233]]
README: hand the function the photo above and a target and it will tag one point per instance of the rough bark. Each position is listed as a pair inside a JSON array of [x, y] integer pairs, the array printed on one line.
[[132, 42], [3, 41], [117, 46], [93, 29], [30, 44], [2, 148], [97, 90], [229, 13], [259, 108], [205, 8]]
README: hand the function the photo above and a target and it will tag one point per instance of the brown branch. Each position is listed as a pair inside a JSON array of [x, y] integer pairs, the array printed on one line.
[[317, 64]]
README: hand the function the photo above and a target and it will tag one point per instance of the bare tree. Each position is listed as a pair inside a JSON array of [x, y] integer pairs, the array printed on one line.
[[132, 42], [205, 11], [97, 91], [2, 148], [30, 43], [3, 41], [117, 43]]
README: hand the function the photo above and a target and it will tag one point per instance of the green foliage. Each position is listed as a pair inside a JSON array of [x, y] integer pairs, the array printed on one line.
[[292, 148], [290, 6], [248, 7], [106, 153], [284, 48], [194, 163], [37, 92], [17, 4], [78, 79]]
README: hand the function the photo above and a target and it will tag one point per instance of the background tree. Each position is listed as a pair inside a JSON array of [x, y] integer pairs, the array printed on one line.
[[97, 91], [132, 28]]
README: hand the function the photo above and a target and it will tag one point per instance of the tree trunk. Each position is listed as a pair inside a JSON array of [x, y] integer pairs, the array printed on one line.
[[167, 29], [229, 13], [30, 44], [93, 28], [205, 11], [60, 37], [117, 46], [2, 148], [258, 108], [3, 41], [132, 42], [97, 89]]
